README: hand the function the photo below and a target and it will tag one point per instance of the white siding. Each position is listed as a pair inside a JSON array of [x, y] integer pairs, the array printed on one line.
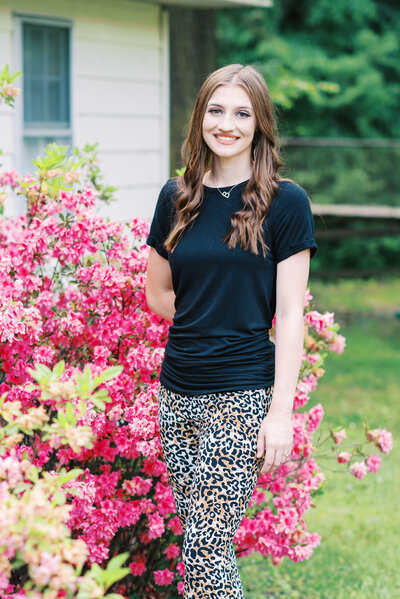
[[120, 84]]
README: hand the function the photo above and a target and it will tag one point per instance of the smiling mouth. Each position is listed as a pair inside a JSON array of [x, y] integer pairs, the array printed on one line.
[[225, 139]]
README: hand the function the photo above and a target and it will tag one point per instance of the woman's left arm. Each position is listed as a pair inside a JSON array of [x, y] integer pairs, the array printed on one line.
[[275, 437]]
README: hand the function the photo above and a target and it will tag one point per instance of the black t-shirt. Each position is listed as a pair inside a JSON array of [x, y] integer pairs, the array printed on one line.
[[226, 298]]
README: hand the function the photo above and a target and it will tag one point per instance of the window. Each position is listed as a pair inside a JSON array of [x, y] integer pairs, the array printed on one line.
[[45, 62]]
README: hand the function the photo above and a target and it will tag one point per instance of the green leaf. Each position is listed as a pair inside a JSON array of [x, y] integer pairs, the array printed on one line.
[[114, 572], [41, 373], [70, 414], [99, 403], [12, 429], [108, 375], [97, 573], [58, 498], [115, 575], [65, 478], [34, 474], [29, 432], [58, 369], [101, 394], [21, 487], [84, 383], [117, 560], [76, 492], [14, 76], [43, 370]]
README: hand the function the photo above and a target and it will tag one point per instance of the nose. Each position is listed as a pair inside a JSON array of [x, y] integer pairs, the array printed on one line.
[[226, 122]]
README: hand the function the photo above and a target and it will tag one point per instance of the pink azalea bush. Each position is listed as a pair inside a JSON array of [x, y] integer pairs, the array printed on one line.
[[73, 289], [73, 294]]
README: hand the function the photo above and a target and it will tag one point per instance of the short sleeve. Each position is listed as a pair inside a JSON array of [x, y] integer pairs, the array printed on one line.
[[291, 222], [162, 218]]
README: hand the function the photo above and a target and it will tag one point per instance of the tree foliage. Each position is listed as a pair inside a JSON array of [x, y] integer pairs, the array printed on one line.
[[333, 67]]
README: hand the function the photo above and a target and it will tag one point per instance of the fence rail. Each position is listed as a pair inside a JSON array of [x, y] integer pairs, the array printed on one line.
[[335, 216]]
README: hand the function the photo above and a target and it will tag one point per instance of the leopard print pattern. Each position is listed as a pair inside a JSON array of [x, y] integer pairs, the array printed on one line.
[[209, 445]]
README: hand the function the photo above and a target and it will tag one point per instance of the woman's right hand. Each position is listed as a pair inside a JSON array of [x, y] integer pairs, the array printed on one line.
[[275, 438]]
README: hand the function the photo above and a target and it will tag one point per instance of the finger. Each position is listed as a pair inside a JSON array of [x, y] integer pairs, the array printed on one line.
[[286, 455], [260, 445], [269, 461]]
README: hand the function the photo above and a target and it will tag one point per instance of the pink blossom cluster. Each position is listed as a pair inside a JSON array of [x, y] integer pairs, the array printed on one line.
[[73, 288], [9, 178], [359, 468]]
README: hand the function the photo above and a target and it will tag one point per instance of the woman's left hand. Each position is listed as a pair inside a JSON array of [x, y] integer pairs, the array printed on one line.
[[275, 438]]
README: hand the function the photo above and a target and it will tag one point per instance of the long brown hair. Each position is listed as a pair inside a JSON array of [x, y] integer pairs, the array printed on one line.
[[246, 224]]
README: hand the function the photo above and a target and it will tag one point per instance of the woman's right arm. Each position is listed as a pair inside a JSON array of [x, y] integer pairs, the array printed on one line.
[[160, 295]]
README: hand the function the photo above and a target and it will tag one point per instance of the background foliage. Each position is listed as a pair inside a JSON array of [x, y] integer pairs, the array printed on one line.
[[333, 69]]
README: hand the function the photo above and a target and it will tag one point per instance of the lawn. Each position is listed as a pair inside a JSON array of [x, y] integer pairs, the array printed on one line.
[[359, 520]]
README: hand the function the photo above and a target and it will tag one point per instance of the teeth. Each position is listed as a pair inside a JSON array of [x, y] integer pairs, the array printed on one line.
[[226, 138]]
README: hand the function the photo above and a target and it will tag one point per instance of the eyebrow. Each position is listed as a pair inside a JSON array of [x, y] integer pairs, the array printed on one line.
[[237, 108]]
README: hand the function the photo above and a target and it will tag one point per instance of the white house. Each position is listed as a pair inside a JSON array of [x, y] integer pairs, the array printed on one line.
[[94, 71]]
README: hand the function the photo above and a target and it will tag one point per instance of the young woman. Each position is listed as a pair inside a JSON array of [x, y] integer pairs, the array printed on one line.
[[231, 246]]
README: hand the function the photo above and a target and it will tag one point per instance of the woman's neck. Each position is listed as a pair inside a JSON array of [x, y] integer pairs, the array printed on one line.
[[223, 175], [213, 180]]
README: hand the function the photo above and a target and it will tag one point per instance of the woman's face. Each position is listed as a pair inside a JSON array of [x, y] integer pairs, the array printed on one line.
[[229, 122]]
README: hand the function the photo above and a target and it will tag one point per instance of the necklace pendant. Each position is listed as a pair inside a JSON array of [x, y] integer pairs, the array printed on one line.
[[226, 194]]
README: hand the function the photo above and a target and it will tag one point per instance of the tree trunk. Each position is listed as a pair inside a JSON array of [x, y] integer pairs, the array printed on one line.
[[193, 57]]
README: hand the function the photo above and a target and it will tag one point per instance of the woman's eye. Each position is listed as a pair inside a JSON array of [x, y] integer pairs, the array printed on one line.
[[241, 113]]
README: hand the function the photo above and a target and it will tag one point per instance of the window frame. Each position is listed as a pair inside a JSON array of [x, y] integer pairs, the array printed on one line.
[[21, 131]]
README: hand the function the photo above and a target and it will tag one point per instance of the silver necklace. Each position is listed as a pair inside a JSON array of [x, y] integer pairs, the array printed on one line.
[[226, 194]]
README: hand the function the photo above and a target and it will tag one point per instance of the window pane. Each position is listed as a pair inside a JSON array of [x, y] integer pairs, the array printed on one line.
[[46, 75]]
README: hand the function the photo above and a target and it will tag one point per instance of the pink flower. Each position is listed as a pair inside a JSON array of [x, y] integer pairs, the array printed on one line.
[[181, 587], [337, 344], [172, 551], [163, 577], [43, 354], [339, 436], [8, 178], [343, 457], [307, 298], [313, 358], [156, 525], [138, 485], [382, 439], [319, 321], [315, 416], [175, 525], [180, 566], [140, 228], [358, 469], [374, 462], [137, 567]]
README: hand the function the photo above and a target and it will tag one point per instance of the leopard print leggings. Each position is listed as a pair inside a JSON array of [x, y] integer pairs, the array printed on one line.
[[209, 446]]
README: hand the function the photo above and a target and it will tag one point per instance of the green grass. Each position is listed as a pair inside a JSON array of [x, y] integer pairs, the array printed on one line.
[[355, 297], [358, 520]]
